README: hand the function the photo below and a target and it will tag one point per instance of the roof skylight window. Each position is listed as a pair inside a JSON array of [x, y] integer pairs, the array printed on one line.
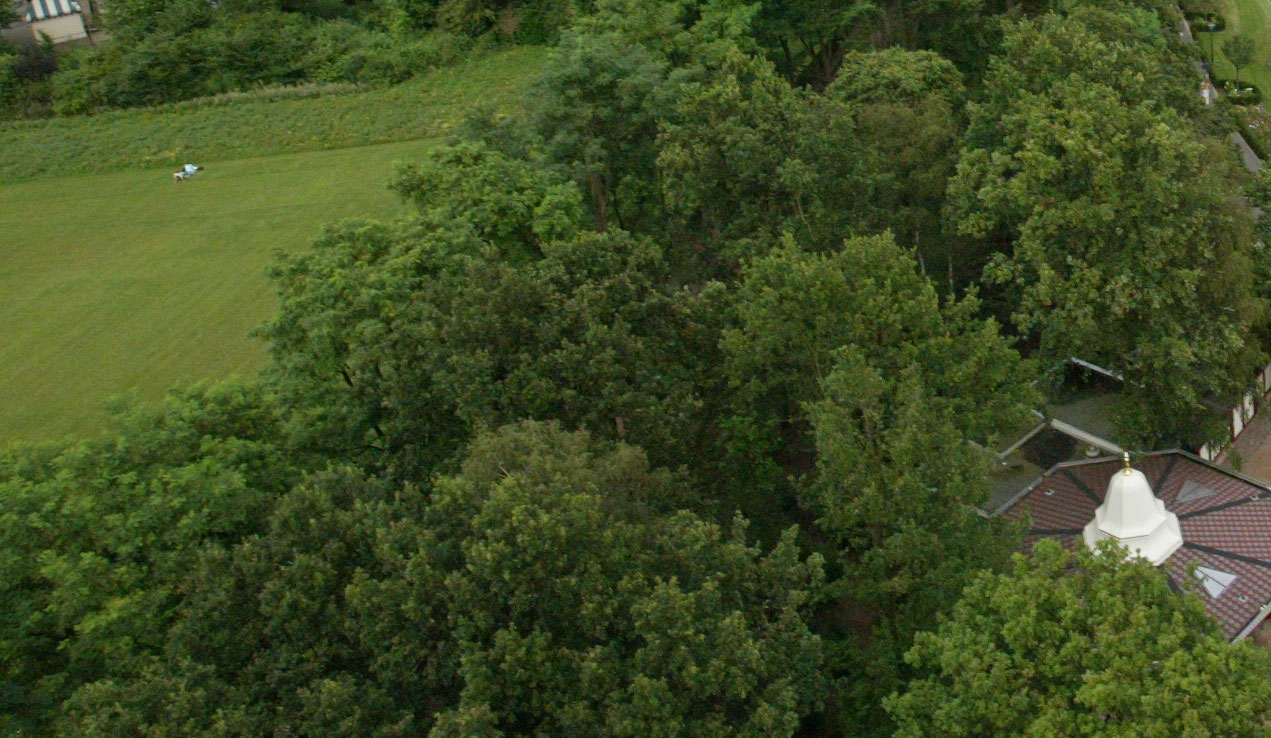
[[1215, 582]]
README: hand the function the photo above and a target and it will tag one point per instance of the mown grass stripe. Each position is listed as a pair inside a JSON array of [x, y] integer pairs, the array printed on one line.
[[261, 125], [145, 283]]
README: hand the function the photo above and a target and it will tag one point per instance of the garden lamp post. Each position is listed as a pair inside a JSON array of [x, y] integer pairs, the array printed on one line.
[[1212, 26]]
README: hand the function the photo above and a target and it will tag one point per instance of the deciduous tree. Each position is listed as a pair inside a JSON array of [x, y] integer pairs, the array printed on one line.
[[576, 611], [852, 379], [1121, 234], [1074, 644], [1240, 51], [749, 157], [907, 108], [97, 536], [798, 311], [511, 204], [395, 344], [597, 108], [808, 40]]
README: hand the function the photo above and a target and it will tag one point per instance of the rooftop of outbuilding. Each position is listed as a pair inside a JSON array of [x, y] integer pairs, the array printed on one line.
[[1225, 519]]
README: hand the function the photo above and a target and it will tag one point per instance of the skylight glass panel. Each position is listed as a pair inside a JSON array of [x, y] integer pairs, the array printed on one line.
[[1215, 582]]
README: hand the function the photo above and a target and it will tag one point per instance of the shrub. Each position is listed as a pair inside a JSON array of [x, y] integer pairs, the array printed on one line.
[[8, 74], [81, 84], [377, 58], [245, 51], [1246, 95], [1256, 129], [32, 62], [266, 94], [237, 53], [530, 21], [1199, 22], [19, 98]]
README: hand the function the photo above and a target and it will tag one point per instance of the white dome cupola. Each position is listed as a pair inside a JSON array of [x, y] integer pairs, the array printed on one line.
[[1135, 518]]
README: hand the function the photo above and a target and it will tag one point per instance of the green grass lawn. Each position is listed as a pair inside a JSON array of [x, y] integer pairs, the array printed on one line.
[[110, 282], [1244, 17], [113, 278], [425, 107]]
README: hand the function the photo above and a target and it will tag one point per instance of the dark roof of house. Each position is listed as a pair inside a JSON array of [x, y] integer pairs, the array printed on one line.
[[1225, 518]]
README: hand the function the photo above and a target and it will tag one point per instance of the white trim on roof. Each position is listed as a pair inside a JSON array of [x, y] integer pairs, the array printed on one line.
[[1254, 623], [1079, 362]]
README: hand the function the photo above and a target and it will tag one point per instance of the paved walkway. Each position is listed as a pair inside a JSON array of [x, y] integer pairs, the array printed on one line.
[[1247, 157]]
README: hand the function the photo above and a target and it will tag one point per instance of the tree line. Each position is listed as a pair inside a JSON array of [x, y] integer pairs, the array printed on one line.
[[163, 51], [665, 412]]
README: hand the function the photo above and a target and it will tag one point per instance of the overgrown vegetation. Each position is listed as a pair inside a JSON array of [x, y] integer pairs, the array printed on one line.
[[163, 51], [730, 264]]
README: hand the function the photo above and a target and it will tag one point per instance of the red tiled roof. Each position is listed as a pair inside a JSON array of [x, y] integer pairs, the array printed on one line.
[[1229, 530]]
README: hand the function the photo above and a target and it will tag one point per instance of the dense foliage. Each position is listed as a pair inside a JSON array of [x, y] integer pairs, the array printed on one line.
[[1116, 234], [238, 53], [665, 413], [1081, 645], [161, 51]]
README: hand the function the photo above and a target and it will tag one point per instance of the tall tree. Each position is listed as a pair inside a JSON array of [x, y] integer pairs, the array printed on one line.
[[394, 344], [1118, 45], [797, 311], [96, 537], [895, 490], [1074, 644], [749, 157], [853, 379], [352, 306], [509, 203], [268, 638], [808, 40], [597, 108], [536, 20], [911, 24], [1122, 235], [576, 611], [1240, 51], [907, 108]]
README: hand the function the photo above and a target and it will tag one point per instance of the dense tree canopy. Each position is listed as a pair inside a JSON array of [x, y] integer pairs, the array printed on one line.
[[907, 106], [1115, 230], [667, 409], [397, 345], [544, 588], [1074, 644], [802, 315], [848, 371], [577, 612], [98, 536]]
